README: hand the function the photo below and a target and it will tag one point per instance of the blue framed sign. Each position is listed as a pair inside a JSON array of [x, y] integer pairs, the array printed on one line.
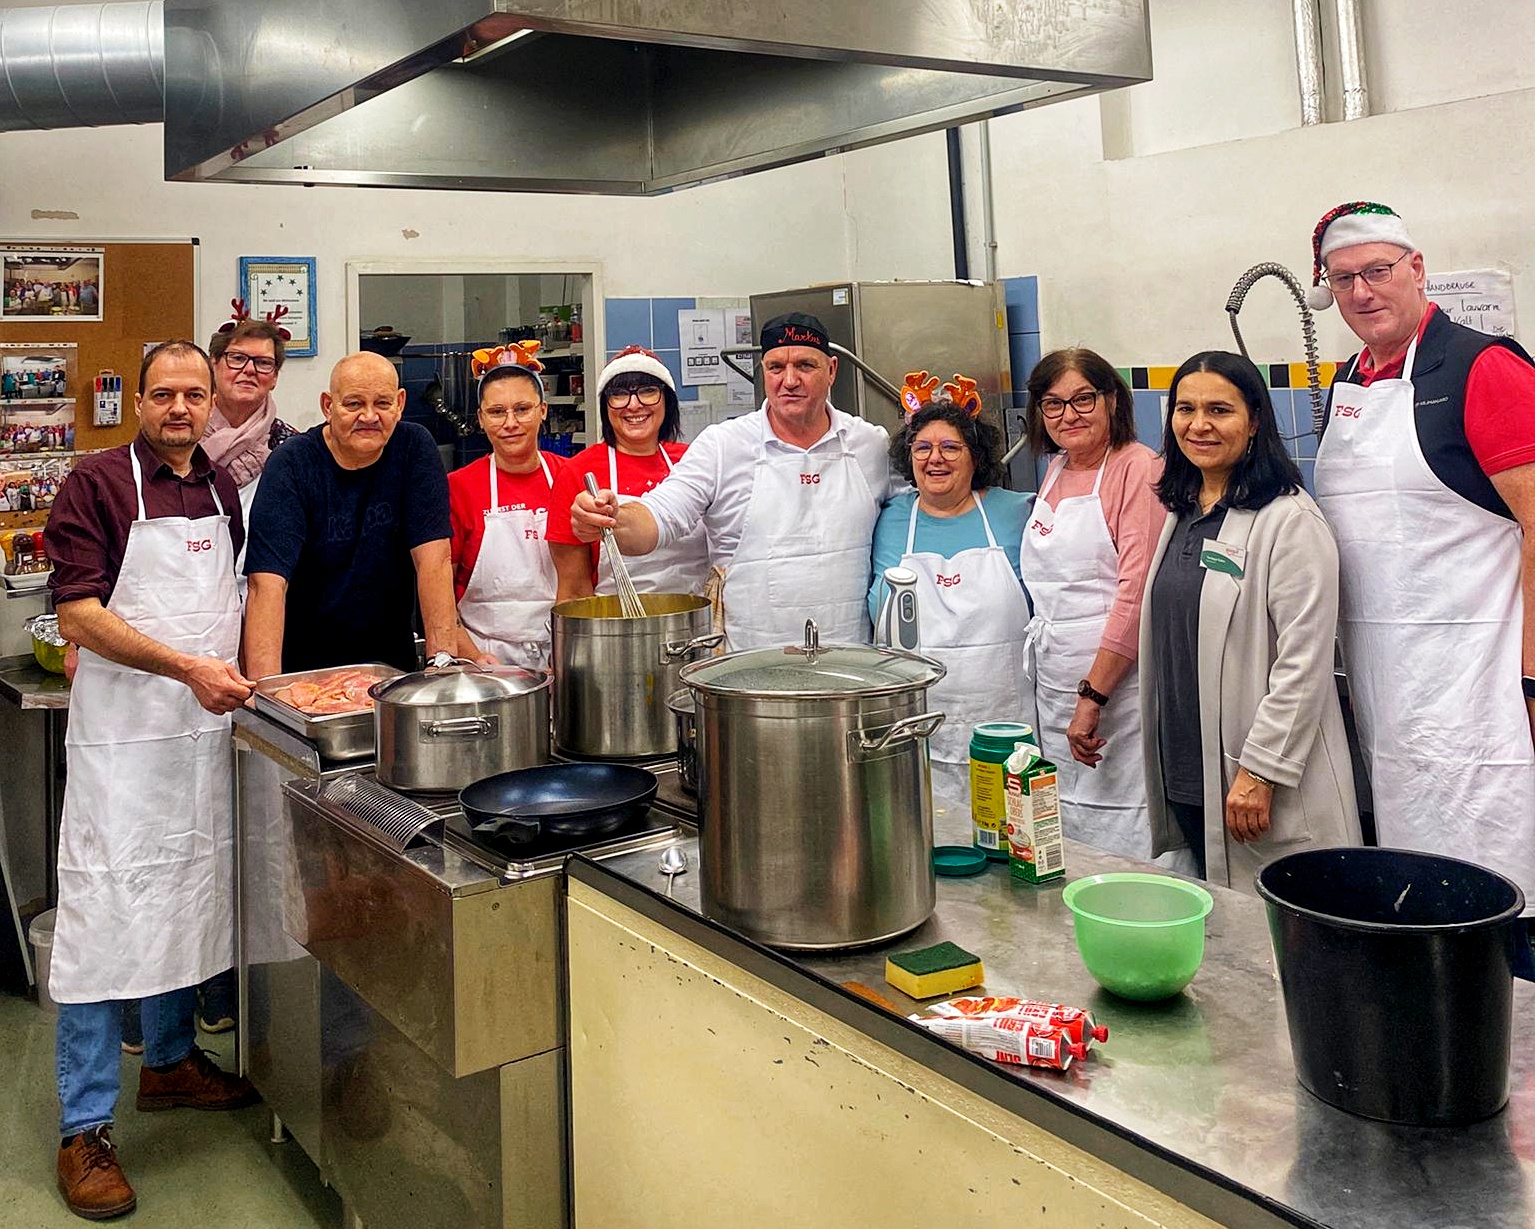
[[287, 282]]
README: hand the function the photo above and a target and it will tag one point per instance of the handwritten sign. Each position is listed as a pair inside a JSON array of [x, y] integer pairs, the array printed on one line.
[[1482, 299]]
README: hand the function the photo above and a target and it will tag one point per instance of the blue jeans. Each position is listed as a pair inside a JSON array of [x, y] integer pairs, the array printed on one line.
[[88, 1052]]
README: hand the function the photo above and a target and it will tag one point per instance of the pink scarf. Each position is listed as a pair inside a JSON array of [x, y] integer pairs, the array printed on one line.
[[241, 450]]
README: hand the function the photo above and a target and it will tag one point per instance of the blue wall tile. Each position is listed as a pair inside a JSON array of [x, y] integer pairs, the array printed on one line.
[[628, 322], [1021, 294], [1148, 416], [673, 361], [663, 316], [1023, 353]]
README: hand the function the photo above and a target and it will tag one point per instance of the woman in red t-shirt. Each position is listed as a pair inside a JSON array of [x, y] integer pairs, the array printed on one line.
[[640, 429], [503, 576]]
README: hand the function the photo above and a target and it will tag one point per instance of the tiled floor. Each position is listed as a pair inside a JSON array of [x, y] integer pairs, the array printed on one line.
[[191, 1170]]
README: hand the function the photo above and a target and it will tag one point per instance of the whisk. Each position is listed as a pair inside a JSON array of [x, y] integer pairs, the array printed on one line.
[[629, 604]]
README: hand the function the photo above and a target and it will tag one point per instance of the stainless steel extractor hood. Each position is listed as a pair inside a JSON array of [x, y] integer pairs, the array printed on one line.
[[632, 97]]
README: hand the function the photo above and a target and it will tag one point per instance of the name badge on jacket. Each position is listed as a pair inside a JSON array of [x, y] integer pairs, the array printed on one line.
[[1220, 556]]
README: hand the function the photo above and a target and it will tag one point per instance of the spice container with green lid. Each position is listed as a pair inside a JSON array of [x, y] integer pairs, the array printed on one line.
[[991, 743]]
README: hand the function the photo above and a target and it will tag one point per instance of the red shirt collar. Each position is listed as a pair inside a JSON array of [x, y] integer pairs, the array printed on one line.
[[1368, 373]]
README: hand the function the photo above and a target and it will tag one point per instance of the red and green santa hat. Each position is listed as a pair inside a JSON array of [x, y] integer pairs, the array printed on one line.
[[1347, 226]]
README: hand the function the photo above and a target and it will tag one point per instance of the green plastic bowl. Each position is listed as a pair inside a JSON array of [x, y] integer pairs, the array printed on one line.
[[1140, 936]]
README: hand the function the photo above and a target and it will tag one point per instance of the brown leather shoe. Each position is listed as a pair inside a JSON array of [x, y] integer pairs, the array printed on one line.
[[91, 1180], [195, 1082]]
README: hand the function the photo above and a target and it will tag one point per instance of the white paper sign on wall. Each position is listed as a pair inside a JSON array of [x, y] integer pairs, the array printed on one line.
[[1482, 299]]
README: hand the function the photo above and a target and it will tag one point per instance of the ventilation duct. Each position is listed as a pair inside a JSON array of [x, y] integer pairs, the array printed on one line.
[[81, 66]]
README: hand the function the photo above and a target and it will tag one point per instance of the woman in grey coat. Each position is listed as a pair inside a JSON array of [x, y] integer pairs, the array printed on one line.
[[1246, 756]]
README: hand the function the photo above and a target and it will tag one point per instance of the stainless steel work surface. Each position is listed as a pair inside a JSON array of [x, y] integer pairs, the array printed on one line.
[[1204, 1081], [27, 685]]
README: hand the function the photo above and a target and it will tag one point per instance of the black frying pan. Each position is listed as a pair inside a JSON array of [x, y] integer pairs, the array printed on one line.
[[566, 802]]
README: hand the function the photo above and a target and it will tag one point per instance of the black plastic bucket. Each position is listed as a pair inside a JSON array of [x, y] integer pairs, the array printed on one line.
[[1397, 969]]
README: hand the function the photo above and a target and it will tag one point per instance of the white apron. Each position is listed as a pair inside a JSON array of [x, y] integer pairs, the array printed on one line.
[[804, 551], [1430, 615], [146, 846], [506, 603], [974, 619], [681, 567], [1071, 567]]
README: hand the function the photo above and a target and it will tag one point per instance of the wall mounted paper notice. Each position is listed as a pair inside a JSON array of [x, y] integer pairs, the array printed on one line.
[[703, 337], [1482, 299], [695, 416]]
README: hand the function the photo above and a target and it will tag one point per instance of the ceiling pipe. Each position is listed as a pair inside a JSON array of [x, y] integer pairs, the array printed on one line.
[[957, 205], [988, 207], [1308, 59], [1356, 91], [82, 65]]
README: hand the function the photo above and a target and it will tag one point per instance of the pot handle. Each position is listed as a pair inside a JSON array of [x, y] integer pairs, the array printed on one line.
[[863, 744], [678, 649], [462, 727]]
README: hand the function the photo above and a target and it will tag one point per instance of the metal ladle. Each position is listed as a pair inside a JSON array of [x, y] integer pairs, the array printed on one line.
[[674, 862]]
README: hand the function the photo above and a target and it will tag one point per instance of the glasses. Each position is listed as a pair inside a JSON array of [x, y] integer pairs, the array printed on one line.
[[1376, 275], [238, 362], [648, 396], [518, 413], [949, 450], [1082, 403]]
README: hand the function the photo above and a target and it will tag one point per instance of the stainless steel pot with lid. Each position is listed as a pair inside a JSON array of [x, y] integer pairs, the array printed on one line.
[[457, 722], [815, 792]]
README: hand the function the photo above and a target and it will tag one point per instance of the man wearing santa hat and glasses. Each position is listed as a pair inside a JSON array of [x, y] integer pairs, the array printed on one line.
[[787, 496], [1426, 472]]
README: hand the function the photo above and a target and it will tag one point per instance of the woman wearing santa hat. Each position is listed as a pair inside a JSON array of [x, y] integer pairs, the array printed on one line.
[[641, 426]]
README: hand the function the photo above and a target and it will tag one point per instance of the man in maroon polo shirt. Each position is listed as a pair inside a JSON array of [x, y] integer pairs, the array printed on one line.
[[143, 541]]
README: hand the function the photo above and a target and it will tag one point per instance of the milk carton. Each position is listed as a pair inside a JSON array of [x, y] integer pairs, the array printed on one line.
[[1036, 850]]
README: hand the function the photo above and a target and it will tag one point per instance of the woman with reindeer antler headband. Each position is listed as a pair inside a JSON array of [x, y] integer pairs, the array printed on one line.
[[959, 531], [243, 429], [503, 575]]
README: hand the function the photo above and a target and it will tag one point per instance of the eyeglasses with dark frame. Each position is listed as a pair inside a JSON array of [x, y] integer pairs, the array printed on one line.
[[1083, 403], [496, 415], [238, 360], [949, 450], [619, 398], [1376, 275]]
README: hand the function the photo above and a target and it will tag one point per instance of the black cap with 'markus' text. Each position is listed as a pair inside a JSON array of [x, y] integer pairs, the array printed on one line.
[[795, 329]]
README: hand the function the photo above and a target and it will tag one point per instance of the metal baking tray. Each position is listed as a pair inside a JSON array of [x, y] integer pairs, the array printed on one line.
[[337, 736]]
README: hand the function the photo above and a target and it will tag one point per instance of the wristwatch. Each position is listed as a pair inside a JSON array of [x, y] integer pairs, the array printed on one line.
[[1088, 692], [1529, 687]]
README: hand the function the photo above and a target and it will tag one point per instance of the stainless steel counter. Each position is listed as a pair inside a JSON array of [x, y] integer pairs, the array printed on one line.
[[1196, 1096], [28, 686]]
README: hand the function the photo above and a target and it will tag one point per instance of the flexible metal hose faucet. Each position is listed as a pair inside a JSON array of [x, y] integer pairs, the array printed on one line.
[[1307, 328]]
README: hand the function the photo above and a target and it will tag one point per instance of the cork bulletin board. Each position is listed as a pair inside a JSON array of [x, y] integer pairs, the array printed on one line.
[[147, 294]]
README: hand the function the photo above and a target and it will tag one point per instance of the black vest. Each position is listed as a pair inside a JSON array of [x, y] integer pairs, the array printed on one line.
[[1439, 372]]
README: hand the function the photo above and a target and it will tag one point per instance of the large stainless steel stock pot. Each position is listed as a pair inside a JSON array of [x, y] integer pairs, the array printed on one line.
[[612, 675], [448, 725], [815, 792]]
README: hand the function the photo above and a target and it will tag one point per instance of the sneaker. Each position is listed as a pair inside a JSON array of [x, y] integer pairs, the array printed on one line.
[[133, 1047], [220, 1025], [216, 999], [196, 1082], [90, 1178]]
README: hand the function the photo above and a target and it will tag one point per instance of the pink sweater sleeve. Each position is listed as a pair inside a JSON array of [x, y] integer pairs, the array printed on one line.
[[1135, 516]]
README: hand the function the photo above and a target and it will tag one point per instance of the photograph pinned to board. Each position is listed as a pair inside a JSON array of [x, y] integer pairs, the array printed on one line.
[[31, 486], [37, 371], [37, 426], [281, 289], [52, 283]]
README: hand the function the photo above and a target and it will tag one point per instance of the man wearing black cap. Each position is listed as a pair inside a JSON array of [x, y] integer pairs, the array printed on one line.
[[788, 497]]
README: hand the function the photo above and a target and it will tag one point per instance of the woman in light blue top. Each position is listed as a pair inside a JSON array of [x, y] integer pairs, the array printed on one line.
[[960, 532]]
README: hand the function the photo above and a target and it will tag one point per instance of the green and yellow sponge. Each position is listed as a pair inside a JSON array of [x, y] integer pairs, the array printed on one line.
[[944, 968]]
